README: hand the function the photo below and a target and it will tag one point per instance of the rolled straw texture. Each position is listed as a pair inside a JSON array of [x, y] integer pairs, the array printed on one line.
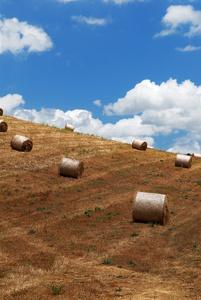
[[21, 143], [71, 168], [3, 126], [138, 144], [197, 155], [70, 127], [182, 160], [150, 207], [1, 112]]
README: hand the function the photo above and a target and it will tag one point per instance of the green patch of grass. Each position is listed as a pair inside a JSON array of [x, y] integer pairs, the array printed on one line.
[[172, 228], [194, 246], [58, 195], [132, 264], [64, 217], [173, 213], [97, 208], [91, 248], [107, 261], [134, 234], [41, 208], [87, 212], [56, 290], [198, 182]]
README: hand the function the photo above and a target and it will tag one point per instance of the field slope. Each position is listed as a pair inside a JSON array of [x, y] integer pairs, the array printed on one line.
[[66, 238]]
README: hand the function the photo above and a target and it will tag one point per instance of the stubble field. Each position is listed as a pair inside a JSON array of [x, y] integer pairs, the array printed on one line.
[[67, 238]]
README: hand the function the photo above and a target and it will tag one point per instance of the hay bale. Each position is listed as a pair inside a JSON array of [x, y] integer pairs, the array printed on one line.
[[182, 160], [1, 112], [21, 143], [197, 155], [138, 144], [150, 207], [3, 126], [70, 127], [71, 167]]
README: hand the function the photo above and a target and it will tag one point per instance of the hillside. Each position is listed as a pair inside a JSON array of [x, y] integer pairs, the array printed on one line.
[[66, 238]]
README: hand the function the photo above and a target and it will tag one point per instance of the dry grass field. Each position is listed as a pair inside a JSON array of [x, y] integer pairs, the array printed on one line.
[[67, 238]]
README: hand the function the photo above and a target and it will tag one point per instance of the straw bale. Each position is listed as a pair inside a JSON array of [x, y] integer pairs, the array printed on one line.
[[21, 143], [139, 144], [3, 126], [71, 167], [1, 112], [150, 207], [182, 160], [70, 127], [197, 155]]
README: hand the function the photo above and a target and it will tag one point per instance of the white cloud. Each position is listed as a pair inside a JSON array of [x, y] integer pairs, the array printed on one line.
[[147, 95], [9, 102], [81, 119], [89, 20], [181, 17], [18, 37], [97, 103], [164, 109], [188, 48], [187, 144]]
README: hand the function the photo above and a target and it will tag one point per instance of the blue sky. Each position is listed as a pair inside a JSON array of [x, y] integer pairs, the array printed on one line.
[[121, 69]]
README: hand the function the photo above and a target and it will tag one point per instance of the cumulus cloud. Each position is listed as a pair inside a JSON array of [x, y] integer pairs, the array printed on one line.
[[124, 130], [162, 109], [154, 110], [181, 18], [188, 48], [97, 103], [187, 144], [147, 95], [18, 37], [10, 102], [90, 20]]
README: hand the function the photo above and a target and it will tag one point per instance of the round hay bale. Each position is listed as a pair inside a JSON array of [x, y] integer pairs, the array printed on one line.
[[182, 160], [1, 112], [197, 155], [21, 143], [71, 168], [150, 207], [138, 144], [70, 127], [3, 126]]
